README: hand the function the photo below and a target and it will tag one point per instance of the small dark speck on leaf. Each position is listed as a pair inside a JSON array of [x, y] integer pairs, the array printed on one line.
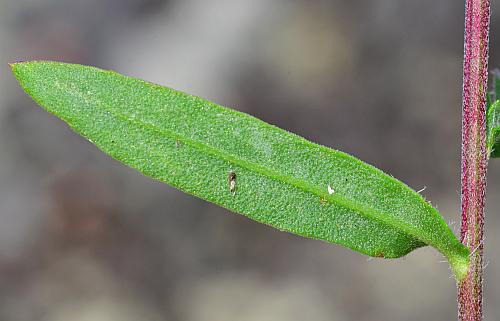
[[232, 182]]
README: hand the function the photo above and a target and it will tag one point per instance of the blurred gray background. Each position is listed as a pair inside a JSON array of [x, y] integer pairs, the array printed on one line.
[[85, 238]]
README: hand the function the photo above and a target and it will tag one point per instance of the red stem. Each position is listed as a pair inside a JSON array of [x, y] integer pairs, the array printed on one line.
[[474, 154]]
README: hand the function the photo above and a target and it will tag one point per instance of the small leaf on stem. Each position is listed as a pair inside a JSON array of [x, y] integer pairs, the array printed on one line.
[[493, 118]]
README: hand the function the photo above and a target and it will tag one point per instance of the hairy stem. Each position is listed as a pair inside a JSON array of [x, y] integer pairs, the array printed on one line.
[[474, 154]]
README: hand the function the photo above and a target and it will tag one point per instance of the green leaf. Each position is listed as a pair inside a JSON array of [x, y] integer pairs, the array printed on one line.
[[493, 129], [493, 118], [496, 84], [241, 163]]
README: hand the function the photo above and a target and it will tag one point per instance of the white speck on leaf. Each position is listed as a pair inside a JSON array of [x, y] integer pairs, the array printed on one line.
[[330, 190]]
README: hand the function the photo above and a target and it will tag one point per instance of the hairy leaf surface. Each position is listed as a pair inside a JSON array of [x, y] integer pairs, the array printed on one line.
[[241, 163]]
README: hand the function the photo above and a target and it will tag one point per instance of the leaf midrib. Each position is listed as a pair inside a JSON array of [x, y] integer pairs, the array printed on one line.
[[271, 174]]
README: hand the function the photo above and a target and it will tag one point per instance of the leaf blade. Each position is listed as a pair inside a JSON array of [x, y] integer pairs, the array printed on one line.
[[281, 179]]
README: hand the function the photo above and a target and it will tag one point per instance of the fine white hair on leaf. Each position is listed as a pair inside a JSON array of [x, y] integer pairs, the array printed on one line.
[[422, 189]]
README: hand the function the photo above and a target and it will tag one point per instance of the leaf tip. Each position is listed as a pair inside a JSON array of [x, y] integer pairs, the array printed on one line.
[[17, 67], [15, 64]]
